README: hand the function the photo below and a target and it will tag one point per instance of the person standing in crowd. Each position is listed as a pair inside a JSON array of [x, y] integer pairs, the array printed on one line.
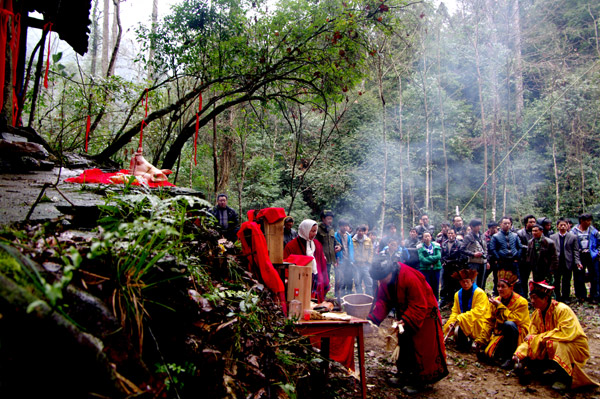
[[424, 226], [443, 234], [508, 325], [568, 259], [288, 231], [476, 250], [227, 217], [452, 261], [541, 256], [390, 234], [492, 265], [525, 235], [422, 357], [413, 239], [546, 224], [470, 311], [374, 240], [430, 255], [459, 226], [344, 252], [505, 246], [363, 256], [587, 238], [305, 244], [326, 236], [556, 337]]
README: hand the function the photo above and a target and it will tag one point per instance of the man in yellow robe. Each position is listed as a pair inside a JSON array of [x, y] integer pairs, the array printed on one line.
[[469, 312], [508, 324], [556, 335]]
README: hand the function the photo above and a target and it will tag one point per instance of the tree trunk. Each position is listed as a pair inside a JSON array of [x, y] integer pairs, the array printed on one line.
[[94, 44], [384, 140], [516, 30], [427, 133], [105, 36], [401, 135], [443, 123], [215, 153], [483, 119], [152, 42], [37, 77], [555, 165]]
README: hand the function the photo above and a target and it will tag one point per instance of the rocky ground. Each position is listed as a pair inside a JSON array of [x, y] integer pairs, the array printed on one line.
[[470, 379]]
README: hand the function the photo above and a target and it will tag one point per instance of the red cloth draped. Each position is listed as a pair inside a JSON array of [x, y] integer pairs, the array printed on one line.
[[48, 26], [407, 290], [258, 256], [272, 215], [98, 176], [6, 14]]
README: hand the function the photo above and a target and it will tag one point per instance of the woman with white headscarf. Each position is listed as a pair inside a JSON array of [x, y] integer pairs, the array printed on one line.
[[305, 244]]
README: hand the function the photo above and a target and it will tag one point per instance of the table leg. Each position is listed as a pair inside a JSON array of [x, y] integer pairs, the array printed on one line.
[[361, 361]]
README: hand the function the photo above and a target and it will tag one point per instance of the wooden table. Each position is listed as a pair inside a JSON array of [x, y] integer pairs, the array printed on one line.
[[325, 329]]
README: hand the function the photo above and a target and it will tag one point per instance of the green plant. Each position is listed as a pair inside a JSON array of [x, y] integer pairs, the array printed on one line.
[[176, 374]]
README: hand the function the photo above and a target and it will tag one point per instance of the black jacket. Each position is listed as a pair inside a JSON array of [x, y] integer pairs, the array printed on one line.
[[233, 221]]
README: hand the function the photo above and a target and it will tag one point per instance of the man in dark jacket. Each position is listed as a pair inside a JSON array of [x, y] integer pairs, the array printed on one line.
[[525, 236], [546, 224], [541, 256], [228, 218], [326, 236], [452, 261], [475, 249], [505, 247], [568, 259], [588, 238], [424, 226]]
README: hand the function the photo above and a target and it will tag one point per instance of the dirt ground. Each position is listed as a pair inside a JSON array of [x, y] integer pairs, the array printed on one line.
[[470, 379]]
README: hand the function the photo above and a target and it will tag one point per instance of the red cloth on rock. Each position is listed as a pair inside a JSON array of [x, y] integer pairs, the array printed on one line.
[[422, 350], [98, 176]]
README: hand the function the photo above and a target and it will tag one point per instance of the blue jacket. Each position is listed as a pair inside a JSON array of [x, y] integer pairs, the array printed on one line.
[[594, 238], [502, 248], [340, 255]]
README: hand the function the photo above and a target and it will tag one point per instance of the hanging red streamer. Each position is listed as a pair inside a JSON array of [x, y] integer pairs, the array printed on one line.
[[144, 121], [197, 126], [49, 27], [87, 132]]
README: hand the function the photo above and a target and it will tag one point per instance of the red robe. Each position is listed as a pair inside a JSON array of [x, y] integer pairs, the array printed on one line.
[[422, 349], [320, 285]]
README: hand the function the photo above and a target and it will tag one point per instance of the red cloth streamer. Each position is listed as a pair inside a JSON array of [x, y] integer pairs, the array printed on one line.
[[144, 121], [49, 27], [197, 126], [4, 16], [87, 132]]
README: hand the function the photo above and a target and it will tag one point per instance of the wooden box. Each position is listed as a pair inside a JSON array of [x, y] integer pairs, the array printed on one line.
[[274, 237], [299, 284]]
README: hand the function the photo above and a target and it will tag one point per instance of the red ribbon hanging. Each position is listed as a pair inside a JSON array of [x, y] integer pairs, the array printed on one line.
[[49, 27], [197, 126], [15, 50], [144, 121], [87, 132], [4, 16]]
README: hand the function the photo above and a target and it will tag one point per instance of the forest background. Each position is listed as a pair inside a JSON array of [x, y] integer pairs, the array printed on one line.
[[378, 110]]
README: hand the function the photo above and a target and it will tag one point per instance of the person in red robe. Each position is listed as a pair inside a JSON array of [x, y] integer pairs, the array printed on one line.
[[305, 244], [422, 357]]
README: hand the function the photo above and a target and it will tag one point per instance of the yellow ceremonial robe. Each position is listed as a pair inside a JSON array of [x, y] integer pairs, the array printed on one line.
[[516, 311], [560, 338], [471, 322]]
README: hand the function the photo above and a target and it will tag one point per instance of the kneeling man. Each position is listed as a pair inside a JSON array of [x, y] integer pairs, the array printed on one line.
[[508, 325], [469, 312], [556, 339]]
